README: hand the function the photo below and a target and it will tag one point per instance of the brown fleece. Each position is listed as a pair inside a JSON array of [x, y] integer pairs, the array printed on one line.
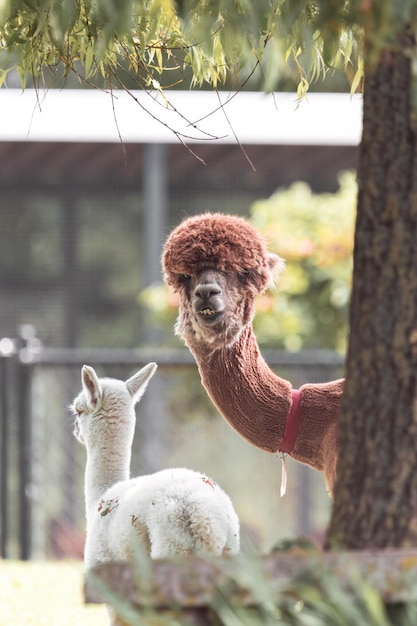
[[317, 441], [223, 242], [253, 399], [256, 402], [247, 393]]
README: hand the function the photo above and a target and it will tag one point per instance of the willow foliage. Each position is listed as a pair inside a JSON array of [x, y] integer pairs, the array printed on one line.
[[141, 42], [160, 43]]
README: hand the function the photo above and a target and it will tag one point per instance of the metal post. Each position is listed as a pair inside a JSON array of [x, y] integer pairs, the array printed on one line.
[[304, 504], [69, 236], [70, 275], [24, 384], [4, 458], [155, 205], [155, 192]]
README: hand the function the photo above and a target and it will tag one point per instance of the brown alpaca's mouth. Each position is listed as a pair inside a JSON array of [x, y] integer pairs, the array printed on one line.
[[209, 315]]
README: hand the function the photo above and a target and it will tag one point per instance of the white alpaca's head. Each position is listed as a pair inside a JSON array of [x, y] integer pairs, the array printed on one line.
[[105, 406]]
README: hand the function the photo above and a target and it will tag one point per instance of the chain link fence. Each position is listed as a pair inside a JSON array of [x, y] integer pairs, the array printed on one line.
[[42, 464]]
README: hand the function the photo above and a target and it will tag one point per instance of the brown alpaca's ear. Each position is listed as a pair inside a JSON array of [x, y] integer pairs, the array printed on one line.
[[276, 266]]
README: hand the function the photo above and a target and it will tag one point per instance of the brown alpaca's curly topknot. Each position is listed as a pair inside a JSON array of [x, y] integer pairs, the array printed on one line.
[[214, 240]]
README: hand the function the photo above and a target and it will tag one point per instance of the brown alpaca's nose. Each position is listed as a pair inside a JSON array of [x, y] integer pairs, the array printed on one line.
[[205, 291]]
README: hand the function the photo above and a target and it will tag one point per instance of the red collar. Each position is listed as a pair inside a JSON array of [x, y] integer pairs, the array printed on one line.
[[293, 423]]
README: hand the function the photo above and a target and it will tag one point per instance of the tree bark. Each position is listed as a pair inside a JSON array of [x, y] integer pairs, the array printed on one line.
[[376, 489]]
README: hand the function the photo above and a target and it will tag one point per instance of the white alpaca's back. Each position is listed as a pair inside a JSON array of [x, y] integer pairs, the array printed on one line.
[[174, 511]]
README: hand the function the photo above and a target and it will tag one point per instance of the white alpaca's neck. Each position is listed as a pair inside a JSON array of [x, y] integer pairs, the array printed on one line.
[[106, 464]]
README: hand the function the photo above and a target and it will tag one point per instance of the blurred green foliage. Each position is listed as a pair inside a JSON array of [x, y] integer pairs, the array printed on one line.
[[314, 234]]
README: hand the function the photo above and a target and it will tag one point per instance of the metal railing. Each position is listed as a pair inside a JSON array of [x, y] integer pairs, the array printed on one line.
[[42, 465]]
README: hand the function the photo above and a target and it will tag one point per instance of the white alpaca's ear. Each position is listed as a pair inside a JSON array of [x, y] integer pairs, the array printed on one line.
[[136, 385], [276, 266], [91, 385]]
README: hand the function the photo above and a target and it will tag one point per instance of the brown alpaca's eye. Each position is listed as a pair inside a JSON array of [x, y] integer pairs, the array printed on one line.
[[244, 276]]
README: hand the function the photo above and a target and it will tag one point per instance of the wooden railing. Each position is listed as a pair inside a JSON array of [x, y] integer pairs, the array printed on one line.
[[189, 585]]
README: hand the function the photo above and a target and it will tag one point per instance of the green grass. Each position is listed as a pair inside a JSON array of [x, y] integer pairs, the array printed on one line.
[[45, 593]]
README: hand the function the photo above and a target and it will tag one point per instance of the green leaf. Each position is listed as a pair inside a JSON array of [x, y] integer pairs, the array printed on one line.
[[359, 75], [88, 63], [4, 73]]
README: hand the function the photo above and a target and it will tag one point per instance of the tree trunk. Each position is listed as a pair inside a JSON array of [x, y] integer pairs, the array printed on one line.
[[376, 490]]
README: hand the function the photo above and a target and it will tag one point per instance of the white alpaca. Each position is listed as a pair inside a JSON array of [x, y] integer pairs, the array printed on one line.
[[174, 511]]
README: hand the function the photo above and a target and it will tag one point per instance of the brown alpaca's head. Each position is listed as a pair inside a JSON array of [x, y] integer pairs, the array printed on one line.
[[218, 264]]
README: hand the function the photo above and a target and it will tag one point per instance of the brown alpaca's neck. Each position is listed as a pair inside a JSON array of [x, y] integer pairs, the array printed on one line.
[[256, 402], [245, 390]]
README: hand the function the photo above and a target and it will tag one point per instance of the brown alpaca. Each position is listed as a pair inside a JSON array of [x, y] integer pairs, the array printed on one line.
[[218, 264]]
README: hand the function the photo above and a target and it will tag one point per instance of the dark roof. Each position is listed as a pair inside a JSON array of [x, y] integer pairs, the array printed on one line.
[[48, 165]]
